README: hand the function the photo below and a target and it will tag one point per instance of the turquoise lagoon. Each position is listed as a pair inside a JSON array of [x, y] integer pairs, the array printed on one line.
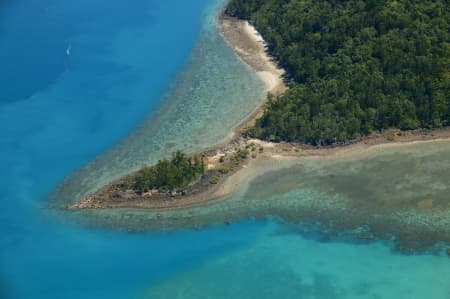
[[93, 89]]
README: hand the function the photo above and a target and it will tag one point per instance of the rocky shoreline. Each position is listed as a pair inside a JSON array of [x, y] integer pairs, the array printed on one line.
[[218, 183], [221, 163]]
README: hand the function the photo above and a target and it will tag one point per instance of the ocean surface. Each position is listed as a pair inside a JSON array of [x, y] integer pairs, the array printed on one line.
[[92, 89]]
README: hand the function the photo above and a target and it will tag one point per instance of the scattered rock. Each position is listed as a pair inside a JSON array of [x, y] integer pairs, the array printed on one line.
[[116, 195], [147, 194], [210, 153], [123, 195]]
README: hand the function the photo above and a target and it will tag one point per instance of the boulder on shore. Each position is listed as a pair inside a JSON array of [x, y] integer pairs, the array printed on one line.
[[147, 194]]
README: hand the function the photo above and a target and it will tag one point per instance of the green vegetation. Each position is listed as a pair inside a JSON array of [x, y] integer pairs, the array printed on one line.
[[225, 169], [214, 179], [241, 154], [391, 138], [354, 66], [178, 172]]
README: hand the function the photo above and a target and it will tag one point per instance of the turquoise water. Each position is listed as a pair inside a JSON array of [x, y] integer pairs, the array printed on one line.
[[92, 89], [281, 263]]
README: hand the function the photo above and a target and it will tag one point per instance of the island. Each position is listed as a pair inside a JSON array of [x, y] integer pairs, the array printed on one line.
[[342, 77]]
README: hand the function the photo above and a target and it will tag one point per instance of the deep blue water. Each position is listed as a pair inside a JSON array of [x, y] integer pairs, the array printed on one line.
[[76, 78], [58, 110]]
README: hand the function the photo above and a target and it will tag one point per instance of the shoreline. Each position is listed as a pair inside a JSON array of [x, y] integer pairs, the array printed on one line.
[[275, 156], [273, 153], [250, 48]]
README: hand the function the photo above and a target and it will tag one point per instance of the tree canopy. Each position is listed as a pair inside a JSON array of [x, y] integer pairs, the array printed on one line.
[[178, 172], [354, 66]]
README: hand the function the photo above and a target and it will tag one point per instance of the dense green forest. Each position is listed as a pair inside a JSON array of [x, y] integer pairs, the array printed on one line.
[[178, 172], [354, 66]]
